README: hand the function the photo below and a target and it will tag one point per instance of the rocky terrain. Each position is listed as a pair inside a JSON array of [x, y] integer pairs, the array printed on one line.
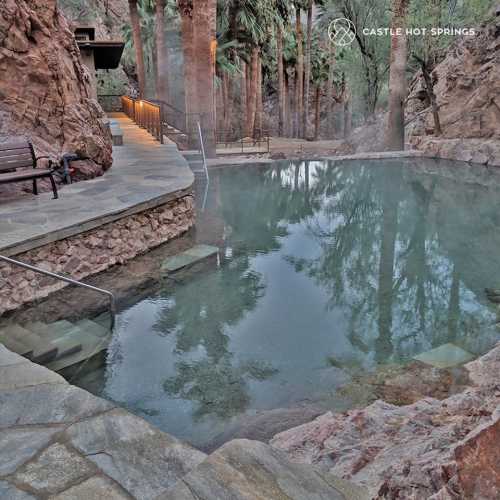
[[430, 449], [55, 111], [467, 88]]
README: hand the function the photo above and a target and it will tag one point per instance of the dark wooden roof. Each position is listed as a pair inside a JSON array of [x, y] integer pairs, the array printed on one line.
[[107, 54]]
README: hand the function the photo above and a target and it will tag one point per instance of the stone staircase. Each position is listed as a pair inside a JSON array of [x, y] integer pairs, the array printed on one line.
[[57, 345]]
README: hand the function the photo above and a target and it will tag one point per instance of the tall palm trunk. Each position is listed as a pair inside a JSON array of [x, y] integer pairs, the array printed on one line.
[[317, 103], [281, 101], [205, 12], [228, 98], [286, 105], [243, 93], [330, 103], [252, 94], [307, 70], [161, 52], [395, 132], [190, 91], [299, 89], [347, 115], [135, 23], [259, 105]]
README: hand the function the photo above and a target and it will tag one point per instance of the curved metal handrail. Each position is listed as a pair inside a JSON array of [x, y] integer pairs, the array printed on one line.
[[112, 300]]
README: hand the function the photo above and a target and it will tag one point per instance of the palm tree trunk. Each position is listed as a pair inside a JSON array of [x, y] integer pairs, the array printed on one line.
[[190, 91], [299, 90], [228, 86], [205, 49], [259, 105], [252, 94], [161, 52], [286, 105], [330, 129], [243, 95], [347, 115], [307, 70], [135, 23], [395, 132], [281, 102], [317, 112]]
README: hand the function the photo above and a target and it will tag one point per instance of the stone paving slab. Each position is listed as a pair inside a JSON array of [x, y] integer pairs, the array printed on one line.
[[61, 442], [145, 174]]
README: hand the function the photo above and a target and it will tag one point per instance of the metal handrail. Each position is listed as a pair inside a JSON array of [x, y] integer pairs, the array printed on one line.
[[204, 158], [112, 300]]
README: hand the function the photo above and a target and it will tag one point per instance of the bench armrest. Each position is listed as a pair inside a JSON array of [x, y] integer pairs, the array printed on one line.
[[45, 157]]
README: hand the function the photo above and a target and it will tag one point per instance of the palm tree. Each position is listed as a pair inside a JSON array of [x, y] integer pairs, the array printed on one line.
[[205, 46], [161, 52], [281, 84], [139, 52], [186, 9], [299, 72], [307, 69], [395, 132]]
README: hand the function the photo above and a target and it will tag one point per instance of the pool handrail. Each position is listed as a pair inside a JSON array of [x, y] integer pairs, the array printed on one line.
[[110, 295]]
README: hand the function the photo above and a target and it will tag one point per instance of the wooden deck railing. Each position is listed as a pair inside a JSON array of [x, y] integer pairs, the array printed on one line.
[[146, 114]]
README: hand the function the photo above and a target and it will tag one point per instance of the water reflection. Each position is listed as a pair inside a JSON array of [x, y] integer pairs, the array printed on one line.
[[325, 269]]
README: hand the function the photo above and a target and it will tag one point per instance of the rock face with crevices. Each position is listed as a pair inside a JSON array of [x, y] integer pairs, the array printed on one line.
[[45, 88], [430, 449], [467, 88]]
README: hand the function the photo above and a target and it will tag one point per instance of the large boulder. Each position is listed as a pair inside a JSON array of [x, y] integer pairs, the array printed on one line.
[[45, 92], [429, 449]]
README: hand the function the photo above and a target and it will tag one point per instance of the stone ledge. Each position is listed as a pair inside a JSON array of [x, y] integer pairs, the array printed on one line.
[[145, 175], [93, 251]]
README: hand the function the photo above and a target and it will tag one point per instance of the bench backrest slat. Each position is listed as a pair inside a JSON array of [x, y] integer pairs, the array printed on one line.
[[16, 155]]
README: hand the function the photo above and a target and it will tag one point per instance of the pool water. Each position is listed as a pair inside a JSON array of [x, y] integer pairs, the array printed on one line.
[[326, 270]]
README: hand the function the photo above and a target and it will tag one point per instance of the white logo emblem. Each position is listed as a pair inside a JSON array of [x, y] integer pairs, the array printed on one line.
[[342, 32]]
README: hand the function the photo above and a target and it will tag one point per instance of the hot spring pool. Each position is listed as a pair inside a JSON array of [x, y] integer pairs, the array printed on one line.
[[326, 271]]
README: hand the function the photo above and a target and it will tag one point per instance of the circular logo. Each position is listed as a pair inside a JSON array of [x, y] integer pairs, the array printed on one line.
[[342, 32]]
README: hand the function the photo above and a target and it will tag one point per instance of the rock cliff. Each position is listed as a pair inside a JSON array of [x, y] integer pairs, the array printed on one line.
[[44, 87], [467, 88]]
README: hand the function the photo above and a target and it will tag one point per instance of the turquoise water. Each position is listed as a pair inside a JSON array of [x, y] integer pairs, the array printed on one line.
[[325, 271]]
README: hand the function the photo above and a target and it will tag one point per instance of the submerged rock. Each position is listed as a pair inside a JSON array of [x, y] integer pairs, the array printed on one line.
[[428, 449]]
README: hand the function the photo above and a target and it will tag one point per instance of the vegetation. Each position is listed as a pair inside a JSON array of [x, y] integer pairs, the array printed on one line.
[[257, 64]]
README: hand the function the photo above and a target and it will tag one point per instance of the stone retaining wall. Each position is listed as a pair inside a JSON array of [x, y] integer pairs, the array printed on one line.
[[93, 251]]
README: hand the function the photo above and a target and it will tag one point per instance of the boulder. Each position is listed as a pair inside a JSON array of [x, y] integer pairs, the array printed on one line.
[[45, 92], [429, 449]]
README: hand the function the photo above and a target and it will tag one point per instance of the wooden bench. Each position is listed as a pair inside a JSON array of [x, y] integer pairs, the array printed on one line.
[[21, 155]]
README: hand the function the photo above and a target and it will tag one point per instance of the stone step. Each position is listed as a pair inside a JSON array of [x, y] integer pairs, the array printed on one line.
[[192, 155], [104, 320], [251, 470], [50, 331], [189, 257], [91, 346], [93, 328], [66, 346], [28, 344], [16, 346]]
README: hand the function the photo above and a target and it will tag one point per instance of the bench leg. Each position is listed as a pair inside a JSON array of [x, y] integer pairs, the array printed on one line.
[[35, 187], [54, 187]]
